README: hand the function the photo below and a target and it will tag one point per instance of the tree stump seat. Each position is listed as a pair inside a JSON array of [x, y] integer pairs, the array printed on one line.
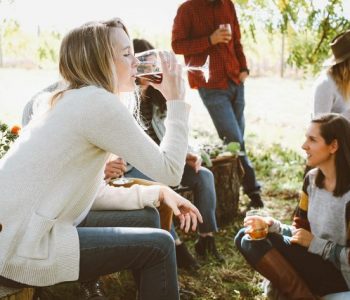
[[227, 174]]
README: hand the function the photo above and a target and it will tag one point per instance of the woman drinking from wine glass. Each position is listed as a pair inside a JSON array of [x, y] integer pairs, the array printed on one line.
[[311, 257], [58, 162]]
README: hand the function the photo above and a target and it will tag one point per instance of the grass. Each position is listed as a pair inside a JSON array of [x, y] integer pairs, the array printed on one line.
[[234, 279], [277, 111]]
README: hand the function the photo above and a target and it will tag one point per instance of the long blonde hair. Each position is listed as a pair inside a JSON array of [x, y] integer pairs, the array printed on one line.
[[341, 75], [86, 56]]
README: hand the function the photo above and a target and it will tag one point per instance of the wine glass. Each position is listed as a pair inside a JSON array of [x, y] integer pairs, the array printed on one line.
[[150, 69]]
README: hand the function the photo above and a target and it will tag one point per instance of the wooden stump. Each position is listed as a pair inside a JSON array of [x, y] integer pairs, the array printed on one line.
[[227, 173], [16, 294]]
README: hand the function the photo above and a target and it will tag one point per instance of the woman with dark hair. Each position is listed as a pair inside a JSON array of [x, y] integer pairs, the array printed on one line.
[[153, 113], [310, 257]]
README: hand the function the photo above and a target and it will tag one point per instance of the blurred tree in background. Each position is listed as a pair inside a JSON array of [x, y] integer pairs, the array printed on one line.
[[276, 33], [306, 27]]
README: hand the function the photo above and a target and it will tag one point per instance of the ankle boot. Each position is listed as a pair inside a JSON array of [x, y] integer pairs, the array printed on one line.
[[206, 245], [282, 275], [255, 201], [184, 258], [93, 290]]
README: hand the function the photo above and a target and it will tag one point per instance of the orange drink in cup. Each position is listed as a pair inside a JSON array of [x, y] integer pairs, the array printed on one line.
[[258, 228]]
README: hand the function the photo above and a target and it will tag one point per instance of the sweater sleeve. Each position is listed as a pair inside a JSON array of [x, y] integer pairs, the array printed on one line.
[[300, 219], [338, 255], [323, 97], [181, 32], [120, 198], [107, 124]]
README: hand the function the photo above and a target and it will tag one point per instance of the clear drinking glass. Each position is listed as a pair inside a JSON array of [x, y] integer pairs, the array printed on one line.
[[226, 27], [150, 68], [258, 230]]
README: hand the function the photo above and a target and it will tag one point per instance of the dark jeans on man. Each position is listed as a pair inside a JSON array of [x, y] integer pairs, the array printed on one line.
[[226, 108], [321, 276]]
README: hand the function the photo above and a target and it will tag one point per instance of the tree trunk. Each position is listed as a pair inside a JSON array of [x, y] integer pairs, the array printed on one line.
[[227, 173]]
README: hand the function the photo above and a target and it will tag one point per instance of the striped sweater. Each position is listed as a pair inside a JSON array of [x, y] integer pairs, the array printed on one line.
[[328, 218]]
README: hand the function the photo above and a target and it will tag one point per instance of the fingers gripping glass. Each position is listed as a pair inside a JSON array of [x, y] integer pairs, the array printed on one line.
[[150, 69]]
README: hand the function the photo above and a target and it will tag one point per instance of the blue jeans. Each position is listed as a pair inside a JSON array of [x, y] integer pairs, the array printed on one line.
[[321, 276], [226, 108], [203, 186], [106, 247]]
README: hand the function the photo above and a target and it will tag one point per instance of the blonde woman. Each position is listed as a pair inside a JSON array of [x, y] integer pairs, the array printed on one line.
[[58, 162], [332, 89]]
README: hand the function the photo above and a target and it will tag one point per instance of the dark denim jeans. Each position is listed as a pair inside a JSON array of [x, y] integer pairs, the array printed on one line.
[[203, 186], [226, 108], [321, 276], [109, 245]]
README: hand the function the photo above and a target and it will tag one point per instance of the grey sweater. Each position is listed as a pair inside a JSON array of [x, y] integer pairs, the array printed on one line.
[[327, 98]]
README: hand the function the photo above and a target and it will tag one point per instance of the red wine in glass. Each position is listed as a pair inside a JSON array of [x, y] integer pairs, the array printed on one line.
[[155, 77]]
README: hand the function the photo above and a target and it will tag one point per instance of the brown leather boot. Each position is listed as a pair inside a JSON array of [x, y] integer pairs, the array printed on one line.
[[282, 275]]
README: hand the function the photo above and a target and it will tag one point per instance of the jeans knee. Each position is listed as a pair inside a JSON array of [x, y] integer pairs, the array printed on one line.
[[206, 177], [238, 239], [163, 240], [151, 218]]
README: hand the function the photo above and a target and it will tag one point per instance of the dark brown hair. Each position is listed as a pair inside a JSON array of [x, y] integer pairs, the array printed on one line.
[[336, 127]]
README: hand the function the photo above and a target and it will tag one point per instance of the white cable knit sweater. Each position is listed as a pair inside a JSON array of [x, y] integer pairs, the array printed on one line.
[[52, 172]]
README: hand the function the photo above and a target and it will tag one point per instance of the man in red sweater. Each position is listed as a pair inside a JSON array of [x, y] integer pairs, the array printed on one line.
[[197, 34]]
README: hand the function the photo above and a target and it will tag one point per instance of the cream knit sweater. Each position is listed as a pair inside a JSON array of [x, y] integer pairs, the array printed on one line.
[[52, 172]]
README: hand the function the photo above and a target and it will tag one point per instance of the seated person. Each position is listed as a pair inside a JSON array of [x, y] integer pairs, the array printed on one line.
[[310, 257], [201, 180], [61, 156]]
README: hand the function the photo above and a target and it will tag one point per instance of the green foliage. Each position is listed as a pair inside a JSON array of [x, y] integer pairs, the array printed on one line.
[[308, 28], [214, 150], [49, 43], [7, 137], [280, 169]]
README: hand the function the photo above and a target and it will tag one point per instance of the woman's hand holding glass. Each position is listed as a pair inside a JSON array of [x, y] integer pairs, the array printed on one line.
[[172, 85], [257, 223], [161, 70], [183, 209], [115, 168]]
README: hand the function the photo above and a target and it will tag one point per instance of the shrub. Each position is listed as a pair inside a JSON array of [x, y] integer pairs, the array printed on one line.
[[7, 137]]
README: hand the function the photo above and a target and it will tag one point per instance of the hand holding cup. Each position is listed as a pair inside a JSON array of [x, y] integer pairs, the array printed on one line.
[[257, 222]]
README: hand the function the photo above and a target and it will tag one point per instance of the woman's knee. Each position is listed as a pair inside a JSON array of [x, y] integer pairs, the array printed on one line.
[[238, 239], [151, 218], [206, 177], [162, 240]]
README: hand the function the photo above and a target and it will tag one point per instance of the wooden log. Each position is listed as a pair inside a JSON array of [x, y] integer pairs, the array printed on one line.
[[16, 294], [227, 172]]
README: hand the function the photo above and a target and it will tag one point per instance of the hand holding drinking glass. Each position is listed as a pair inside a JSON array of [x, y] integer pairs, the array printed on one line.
[[221, 35], [153, 63], [257, 224]]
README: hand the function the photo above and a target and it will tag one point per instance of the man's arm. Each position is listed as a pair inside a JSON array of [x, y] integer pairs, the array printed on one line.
[[181, 41]]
